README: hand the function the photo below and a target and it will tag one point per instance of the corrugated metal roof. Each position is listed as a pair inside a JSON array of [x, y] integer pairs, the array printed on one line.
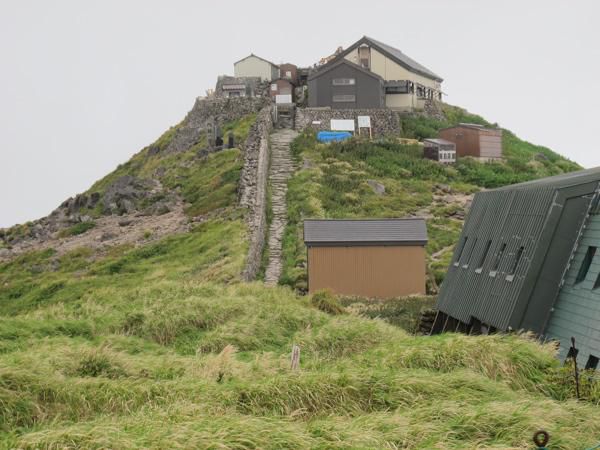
[[439, 141], [559, 181], [517, 242], [365, 231]]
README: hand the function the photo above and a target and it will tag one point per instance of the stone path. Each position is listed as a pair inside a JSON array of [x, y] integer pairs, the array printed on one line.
[[282, 168]]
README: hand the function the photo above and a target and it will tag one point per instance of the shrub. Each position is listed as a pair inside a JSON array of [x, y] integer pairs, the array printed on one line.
[[77, 229], [325, 301]]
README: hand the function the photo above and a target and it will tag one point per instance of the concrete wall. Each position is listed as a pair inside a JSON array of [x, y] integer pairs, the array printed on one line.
[[376, 272], [383, 121], [253, 66], [368, 91]]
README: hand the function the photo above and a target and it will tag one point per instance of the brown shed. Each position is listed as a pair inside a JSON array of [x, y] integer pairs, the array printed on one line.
[[475, 141], [376, 258], [289, 72]]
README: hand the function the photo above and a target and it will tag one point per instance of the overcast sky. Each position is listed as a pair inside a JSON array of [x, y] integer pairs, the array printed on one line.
[[84, 85]]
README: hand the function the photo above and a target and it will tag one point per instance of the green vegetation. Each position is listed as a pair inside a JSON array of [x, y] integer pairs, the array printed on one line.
[[78, 228], [163, 346], [523, 161], [340, 178]]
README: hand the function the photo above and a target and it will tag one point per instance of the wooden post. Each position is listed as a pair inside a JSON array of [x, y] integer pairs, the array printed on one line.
[[295, 357], [575, 367]]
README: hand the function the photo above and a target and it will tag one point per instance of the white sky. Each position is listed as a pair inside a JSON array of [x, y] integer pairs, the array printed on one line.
[[84, 85]]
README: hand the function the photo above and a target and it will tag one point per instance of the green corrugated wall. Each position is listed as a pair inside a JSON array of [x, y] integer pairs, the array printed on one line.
[[577, 310]]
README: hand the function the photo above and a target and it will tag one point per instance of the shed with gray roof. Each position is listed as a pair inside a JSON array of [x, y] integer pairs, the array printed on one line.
[[376, 258]]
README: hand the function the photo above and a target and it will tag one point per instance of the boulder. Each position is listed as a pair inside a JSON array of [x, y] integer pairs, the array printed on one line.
[[377, 187]]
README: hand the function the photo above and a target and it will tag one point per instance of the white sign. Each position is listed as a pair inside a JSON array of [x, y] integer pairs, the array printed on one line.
[[364, 121], [283, 98], [316, 122], [342, 125]]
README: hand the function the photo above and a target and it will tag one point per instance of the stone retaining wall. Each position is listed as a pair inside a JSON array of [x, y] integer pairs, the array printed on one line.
[[208, 111], [253, 188], [383, 121]]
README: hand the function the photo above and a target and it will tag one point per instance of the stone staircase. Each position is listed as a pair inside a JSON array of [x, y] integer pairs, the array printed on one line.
[[281, 169]]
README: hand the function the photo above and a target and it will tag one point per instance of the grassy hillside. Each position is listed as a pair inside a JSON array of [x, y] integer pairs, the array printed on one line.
[[160, 345], [336, 182]]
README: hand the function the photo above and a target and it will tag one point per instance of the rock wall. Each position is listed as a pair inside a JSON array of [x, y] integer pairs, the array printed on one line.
[[253, 188], [383, 121], [208, 111]]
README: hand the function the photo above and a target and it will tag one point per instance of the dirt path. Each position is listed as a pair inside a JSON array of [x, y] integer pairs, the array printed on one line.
[[282, 168]]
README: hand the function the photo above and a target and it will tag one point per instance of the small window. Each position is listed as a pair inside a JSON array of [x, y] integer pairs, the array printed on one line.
[[344, 81], [496, 265], [342, 98], [274, 87], [585, 265], [470, 254], [517, 260], [592, 363], [597, 283], [462, 249], [484, 255], [288, 74]]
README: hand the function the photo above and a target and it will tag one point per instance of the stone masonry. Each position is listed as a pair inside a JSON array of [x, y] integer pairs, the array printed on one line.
[[281, 169], [253, 188], [207, 111], [383, 121]]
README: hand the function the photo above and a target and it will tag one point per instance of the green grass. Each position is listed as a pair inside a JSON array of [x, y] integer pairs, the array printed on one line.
[[162, 346], [336, 185], [78, 228]]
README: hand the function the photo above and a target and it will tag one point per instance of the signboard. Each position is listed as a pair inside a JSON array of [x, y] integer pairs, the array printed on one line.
[[364, 121], [342, 125], [283, 98]]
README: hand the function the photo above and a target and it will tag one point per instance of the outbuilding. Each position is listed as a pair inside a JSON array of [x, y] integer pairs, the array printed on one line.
[[375, 258], [528, 259], [439, 150], [475, 140]]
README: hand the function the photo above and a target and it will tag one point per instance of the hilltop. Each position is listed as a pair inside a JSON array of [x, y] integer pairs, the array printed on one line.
[[126, 322]]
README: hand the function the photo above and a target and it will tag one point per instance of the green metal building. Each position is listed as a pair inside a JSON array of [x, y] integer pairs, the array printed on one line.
[[527, 260]]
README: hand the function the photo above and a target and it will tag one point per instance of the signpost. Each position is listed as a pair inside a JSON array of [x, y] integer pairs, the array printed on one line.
[[365, 122]]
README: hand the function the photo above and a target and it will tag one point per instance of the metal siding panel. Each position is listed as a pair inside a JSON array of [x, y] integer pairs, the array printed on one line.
[[577, 310], [381, 272]]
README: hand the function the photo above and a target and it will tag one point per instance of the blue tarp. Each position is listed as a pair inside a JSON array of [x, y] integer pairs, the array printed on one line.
[[333, 136]]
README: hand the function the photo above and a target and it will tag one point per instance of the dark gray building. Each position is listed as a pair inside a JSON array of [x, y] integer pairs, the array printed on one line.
[[527, 259], [343, 84]]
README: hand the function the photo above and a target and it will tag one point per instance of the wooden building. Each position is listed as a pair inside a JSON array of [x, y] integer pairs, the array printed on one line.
[[528, 259], [439, 150], [282, 88], [255, 66], [345, 85], [289, 72], [378, 258], [475, 141]]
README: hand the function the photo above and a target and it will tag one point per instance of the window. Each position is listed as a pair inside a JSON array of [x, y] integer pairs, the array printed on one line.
[[364, 57], [592, 363], [340, 98], [470, 254], [288, 74], [484, 256], [517, 260], [597, 283], [401, 89], [585, 265], [344, 81], [460, 252], [496, 265], [274, 87]]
